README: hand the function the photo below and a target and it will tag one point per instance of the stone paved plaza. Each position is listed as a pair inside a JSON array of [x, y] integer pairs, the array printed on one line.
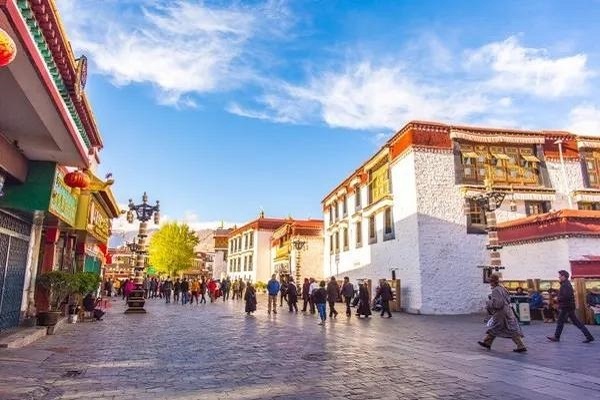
[[215, 351]]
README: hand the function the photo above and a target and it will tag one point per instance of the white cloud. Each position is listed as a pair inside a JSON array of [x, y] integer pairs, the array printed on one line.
[[364, 96], [179, 47], [585, 120], [515, 68], [370, 96]]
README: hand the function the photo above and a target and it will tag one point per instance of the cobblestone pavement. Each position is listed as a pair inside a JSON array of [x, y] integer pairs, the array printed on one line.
[[215, 351]]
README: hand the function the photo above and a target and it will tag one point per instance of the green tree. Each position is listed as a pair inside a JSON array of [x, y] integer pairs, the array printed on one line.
[[172, 248]]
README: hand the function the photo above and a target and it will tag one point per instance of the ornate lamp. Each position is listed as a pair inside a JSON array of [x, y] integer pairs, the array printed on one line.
[[299, 245], [144, 212], [8, 49]]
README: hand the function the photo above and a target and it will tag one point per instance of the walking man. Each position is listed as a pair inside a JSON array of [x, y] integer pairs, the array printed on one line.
[[203, 291], [185, 291], [333, 293], [176, 290], [566, 306], [292, 295], [385, 291], [348, 293], [283, 290], [167, 287], [273, 290], [305, 293], [311, 290]]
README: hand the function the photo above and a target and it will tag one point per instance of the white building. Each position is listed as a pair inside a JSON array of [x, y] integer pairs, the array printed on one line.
[[221, 246], [404, 209], [298, 242], [250, 249]]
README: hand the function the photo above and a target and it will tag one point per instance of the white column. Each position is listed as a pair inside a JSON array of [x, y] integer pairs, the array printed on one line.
[[28, 302]]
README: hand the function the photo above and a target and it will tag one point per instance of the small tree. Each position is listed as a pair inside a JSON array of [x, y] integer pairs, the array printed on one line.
[[172, 248], [59, 285]]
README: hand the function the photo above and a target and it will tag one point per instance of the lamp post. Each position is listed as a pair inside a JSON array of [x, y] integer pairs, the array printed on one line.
[[143, 212], [299, 245]]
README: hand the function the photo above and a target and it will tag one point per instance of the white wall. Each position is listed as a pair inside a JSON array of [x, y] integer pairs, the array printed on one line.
[[574, 181], [543, 260], [311, 260], [262, 258], [451, 281]]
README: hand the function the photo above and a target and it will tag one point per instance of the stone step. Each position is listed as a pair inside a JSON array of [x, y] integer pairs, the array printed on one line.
[[22, 337]]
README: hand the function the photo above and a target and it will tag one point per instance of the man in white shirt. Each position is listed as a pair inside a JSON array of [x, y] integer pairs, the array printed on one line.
[[313, 286]]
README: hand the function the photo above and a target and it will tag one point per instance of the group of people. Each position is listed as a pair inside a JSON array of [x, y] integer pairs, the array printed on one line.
[[316, 296], [179, 290], [503, 321]]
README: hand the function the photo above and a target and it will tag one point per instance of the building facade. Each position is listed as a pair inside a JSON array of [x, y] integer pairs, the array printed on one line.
[[47, 128], [297, 249], [249, 247], [221, 247], [408, 211]]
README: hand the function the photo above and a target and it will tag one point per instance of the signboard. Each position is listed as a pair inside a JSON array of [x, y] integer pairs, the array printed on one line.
[[98, 223], [63, 204]]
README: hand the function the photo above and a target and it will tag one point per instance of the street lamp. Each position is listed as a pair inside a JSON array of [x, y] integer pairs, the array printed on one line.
[[144, 212], [299, 245]]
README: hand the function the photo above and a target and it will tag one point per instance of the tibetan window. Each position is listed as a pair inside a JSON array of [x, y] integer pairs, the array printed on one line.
[[344, 206], [592, 166], [507, 165], [388, 228], [372, 230], [476, 220], [589, 205], [379, 182], [357, 200], [337, 242], [359, 234], [537, 207], [345, 236], [336, 214], [331, 237], [250, 259]]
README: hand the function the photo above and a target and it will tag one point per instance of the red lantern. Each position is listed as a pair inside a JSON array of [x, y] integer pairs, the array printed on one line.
[[77, 179], [8, 49]]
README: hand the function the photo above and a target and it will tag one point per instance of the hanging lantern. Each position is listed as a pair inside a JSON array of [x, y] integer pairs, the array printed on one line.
[[8, 49], [77, 179]]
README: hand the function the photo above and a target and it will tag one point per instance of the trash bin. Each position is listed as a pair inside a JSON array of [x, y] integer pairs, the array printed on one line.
[[521, 306]]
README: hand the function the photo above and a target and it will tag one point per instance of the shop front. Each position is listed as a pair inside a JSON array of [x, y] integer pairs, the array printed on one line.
[[97, 207], [37, 217]]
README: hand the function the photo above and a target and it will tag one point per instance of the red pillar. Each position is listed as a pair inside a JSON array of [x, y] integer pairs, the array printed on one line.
[[46, 264]]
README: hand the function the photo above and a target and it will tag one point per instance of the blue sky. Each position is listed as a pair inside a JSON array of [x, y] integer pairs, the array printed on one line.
[[234, 106]]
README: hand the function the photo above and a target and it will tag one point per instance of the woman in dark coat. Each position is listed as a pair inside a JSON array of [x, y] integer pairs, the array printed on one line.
[[364, 305], [292, 295], [503, 322], [250, 298]]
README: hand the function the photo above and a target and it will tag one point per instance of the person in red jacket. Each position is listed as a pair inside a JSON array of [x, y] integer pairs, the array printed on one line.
[[212, 287]]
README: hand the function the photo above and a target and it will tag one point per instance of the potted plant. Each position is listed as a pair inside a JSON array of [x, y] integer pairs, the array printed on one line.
[[83, 283], [58, 285]]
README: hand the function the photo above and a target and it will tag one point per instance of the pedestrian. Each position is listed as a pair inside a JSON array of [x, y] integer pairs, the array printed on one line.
[[305, 293], [273, 290], [167, 288], [235, 287], [212, 288], [333, 294], [283, 291], [386, 294], [364, 303], [313, 286], [241, 288], [128, 288], [228, 285], [185, 291], [348, 294], [250, 298], [320, 299], [176, 290], [195, 287], [503, 321], [146, 287], [224, 288], [203, 291], [566, 309], [292, 295]]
